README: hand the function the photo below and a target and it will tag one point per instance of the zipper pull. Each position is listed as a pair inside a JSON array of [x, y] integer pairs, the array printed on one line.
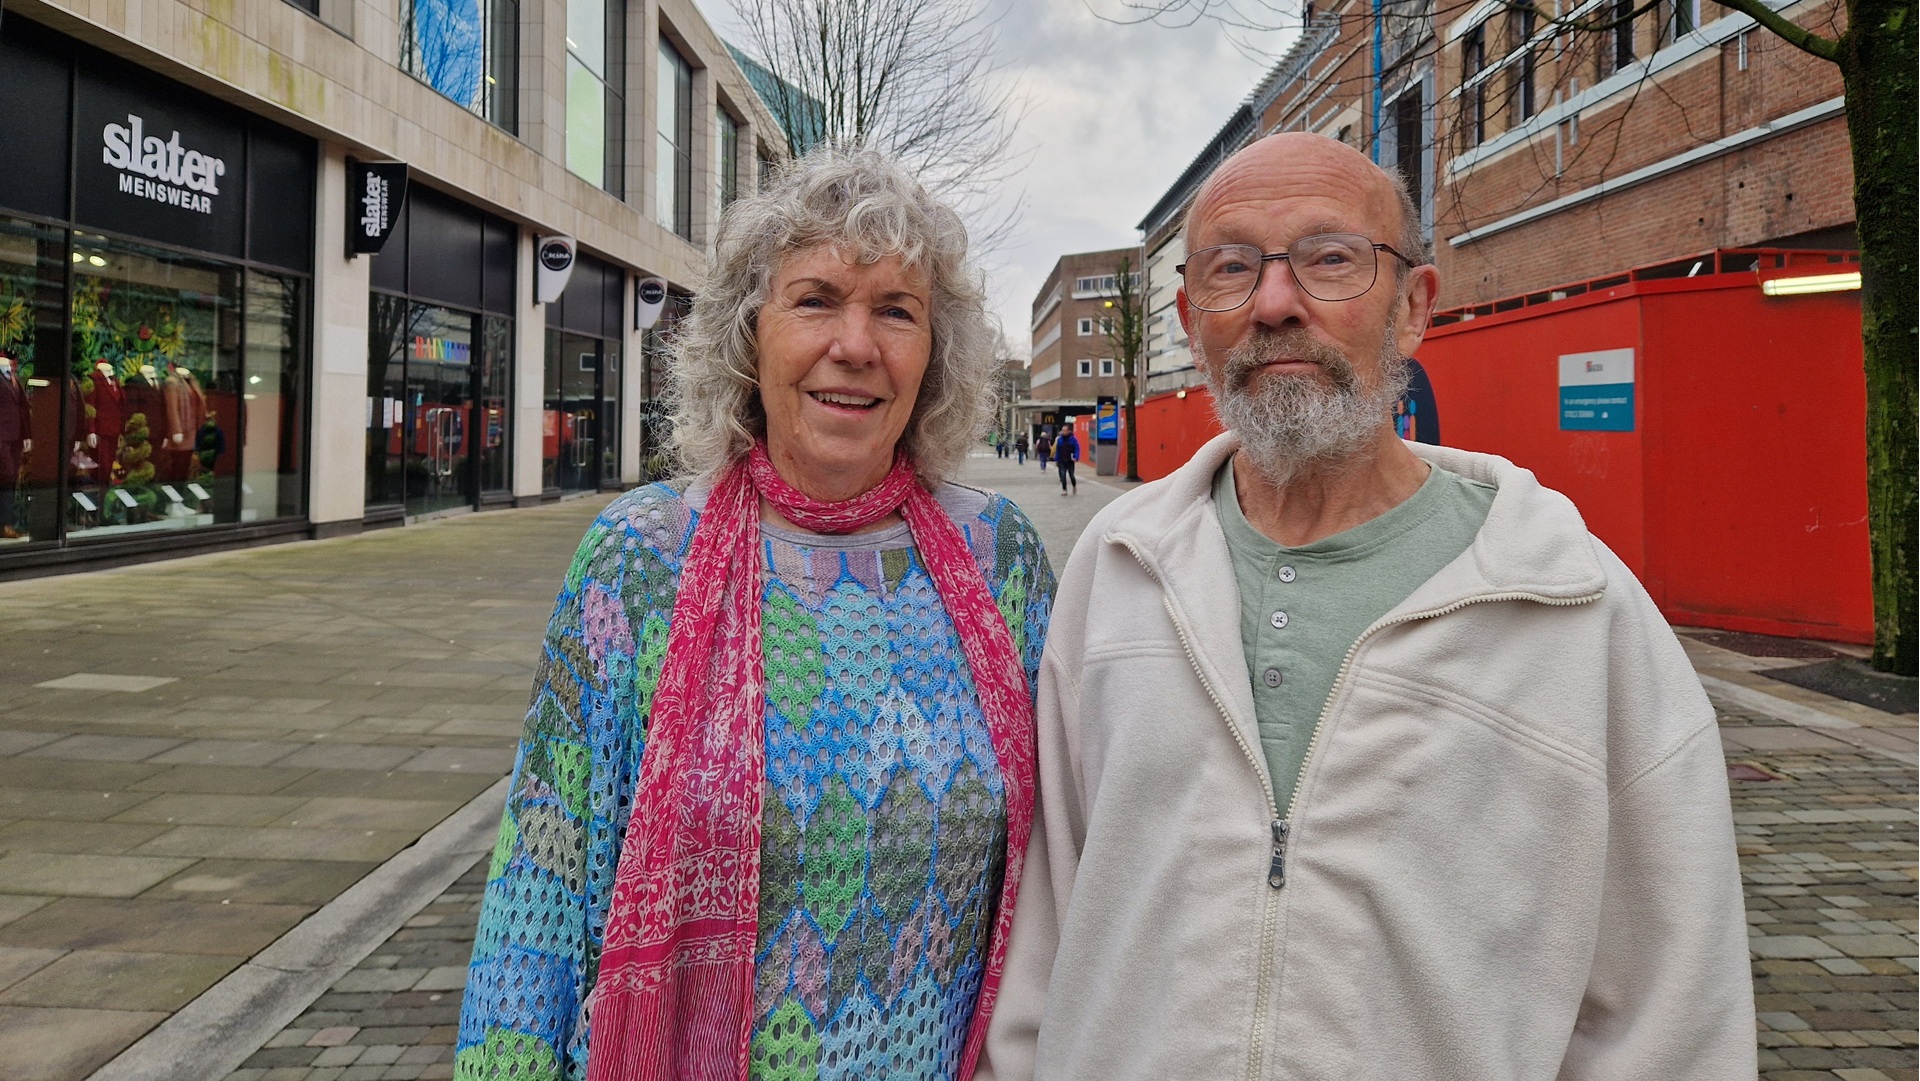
[[1277, 870]]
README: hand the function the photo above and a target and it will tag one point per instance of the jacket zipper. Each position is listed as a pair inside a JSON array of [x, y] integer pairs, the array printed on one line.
[[1255, 1050], [1277, 876], [1282, 826]]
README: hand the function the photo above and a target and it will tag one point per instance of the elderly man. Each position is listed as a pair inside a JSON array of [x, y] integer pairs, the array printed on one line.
[[1361, 759]]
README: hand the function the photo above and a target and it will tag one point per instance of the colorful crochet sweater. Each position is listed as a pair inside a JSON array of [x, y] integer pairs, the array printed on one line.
[[884, 829]]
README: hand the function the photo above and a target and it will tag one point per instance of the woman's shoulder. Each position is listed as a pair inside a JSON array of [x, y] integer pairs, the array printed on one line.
[[659, 515], [1001, 518]]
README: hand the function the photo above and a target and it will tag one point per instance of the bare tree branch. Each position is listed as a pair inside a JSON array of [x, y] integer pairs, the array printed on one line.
[[916, 78]]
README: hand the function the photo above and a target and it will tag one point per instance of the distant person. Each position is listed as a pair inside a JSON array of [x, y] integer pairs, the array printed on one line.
[[1066, 452], [1020, 446], [1043, 450], [784, 704], [1361, 758]]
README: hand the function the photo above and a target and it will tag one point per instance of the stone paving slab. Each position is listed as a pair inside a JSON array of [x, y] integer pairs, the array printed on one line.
[[196, 755]]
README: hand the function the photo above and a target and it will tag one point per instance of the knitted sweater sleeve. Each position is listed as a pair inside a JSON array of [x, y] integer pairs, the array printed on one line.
[[543, 916]]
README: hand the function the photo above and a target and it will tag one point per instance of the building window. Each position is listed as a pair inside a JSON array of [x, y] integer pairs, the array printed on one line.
[[1678, 18], [1473, 100], [1089, 326], [1521, 23], [469, 52], [673, 163], [727, 147], [1086, 367], [1616, 48], [596, 92], [1106, 366], [1101, 283]]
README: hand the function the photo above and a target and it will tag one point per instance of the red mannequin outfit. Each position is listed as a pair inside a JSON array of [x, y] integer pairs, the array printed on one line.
[[16, 430], [109, 402], [186, 408]]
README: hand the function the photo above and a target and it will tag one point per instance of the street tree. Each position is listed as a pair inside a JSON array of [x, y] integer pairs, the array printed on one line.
[[1125, 326], [916, 78], [1872, 43]]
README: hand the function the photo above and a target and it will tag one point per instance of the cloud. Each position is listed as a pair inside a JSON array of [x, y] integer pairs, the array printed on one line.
[[1114, 113]]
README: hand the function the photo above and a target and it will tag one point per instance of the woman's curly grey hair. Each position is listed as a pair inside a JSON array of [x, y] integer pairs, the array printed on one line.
[[861, 201]]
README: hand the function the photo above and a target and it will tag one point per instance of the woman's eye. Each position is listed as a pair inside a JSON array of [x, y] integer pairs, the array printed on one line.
[[897, 313]]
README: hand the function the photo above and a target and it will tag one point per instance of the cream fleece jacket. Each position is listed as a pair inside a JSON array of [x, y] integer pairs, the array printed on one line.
[[1510, 855]]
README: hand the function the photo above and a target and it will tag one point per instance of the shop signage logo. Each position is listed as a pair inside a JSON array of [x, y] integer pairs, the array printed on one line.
[[161, 169], [375, 193], [554, 254], [649, 299]]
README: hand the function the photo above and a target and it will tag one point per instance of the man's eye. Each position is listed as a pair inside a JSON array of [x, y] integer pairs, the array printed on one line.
[[1232, 266]]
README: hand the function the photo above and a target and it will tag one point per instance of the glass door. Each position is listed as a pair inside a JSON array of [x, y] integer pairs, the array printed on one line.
[[572, 420], [388, 334], [439, 411]]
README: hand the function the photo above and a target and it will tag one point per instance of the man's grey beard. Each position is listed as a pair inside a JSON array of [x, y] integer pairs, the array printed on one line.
[[1291, 423]]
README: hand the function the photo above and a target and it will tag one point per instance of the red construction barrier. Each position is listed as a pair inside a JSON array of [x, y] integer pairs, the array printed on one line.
[[1738, 495]]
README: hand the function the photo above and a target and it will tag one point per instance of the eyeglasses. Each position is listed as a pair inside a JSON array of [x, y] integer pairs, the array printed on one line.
[[1327, 266]]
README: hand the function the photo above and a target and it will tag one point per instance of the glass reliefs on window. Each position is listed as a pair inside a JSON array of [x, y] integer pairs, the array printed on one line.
[[468, 50], [673, 124]]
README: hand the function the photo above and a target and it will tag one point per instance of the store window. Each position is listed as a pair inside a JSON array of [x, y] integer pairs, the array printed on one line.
[[596, 92], [32, 317], [154, 346], [468, 50], [581, 421], [440, 362], [673, 121]]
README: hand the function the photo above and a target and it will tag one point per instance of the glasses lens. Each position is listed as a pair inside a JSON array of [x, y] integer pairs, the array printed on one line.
[[1221, 279], [1333, 266]]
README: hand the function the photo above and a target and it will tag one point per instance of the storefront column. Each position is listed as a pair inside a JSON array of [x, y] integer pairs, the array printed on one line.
[[529, 379], [633, 349], [338, 463]]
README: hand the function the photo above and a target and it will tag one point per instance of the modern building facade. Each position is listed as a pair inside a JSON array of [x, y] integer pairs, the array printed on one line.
[[192, 355], [1072, 363]]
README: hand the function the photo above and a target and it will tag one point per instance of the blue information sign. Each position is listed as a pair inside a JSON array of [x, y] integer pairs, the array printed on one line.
[[1596, 391]]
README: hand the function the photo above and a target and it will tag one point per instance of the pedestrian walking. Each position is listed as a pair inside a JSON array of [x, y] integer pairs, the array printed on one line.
[[820, 446], [1043, 450], [1020, 447], [1066, 452]]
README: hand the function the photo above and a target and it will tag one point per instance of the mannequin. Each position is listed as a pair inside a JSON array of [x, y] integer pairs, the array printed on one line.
[[16, 440], [186, 408], [109, 407]]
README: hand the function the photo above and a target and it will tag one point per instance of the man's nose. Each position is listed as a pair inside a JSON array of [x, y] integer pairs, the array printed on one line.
[[1278, 302]]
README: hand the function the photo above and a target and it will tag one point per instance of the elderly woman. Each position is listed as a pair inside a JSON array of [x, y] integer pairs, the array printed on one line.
[[768, 816]]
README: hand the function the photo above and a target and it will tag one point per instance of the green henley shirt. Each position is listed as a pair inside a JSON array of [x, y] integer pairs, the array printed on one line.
[[1302, 608]]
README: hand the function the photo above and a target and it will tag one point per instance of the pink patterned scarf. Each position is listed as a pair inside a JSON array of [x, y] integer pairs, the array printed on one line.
[[674, 998]]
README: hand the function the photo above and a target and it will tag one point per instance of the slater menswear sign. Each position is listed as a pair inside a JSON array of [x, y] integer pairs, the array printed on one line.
[[1596, 391], [376, 190], [152, 164]]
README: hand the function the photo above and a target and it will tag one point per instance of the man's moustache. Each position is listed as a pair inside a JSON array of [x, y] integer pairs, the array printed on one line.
[[1268, 347]]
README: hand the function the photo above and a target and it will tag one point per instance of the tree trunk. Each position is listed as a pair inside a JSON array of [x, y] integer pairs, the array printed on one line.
[[1878, 66], [1133, 446]]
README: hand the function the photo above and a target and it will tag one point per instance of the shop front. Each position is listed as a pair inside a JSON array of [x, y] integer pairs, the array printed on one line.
[[580, 426], [156, 258], [440, 362]]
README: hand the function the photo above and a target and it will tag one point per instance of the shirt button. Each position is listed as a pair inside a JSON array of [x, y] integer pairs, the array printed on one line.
[[1279, 621], [1271, 677], [1287, 574]]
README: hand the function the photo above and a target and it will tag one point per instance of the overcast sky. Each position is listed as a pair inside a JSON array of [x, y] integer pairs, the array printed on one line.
[[1114, 113]]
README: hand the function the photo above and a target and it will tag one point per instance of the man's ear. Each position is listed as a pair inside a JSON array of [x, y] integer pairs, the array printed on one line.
[[1185, 313], [1416, 307]]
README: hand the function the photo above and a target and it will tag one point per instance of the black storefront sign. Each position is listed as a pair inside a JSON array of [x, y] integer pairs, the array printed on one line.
[[376, 191], [154, 165]]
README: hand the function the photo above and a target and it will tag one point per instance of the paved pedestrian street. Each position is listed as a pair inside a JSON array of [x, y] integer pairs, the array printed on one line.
[[269, 867]]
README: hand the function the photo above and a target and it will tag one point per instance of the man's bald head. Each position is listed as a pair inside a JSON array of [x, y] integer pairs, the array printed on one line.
[[1379, 191]]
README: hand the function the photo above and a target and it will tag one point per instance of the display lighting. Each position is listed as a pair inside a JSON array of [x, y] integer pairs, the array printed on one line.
[[96, 260], [1811, 283]]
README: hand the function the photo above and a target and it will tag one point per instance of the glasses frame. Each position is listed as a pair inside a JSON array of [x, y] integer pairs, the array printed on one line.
[[1283, 256]]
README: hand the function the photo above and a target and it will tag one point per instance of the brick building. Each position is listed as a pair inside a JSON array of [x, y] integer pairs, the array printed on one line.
[[1539, 158], [1072, 362]]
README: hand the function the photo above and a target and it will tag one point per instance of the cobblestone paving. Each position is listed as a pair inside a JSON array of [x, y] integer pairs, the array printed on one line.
[[1827, 855], [395, 1016]]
